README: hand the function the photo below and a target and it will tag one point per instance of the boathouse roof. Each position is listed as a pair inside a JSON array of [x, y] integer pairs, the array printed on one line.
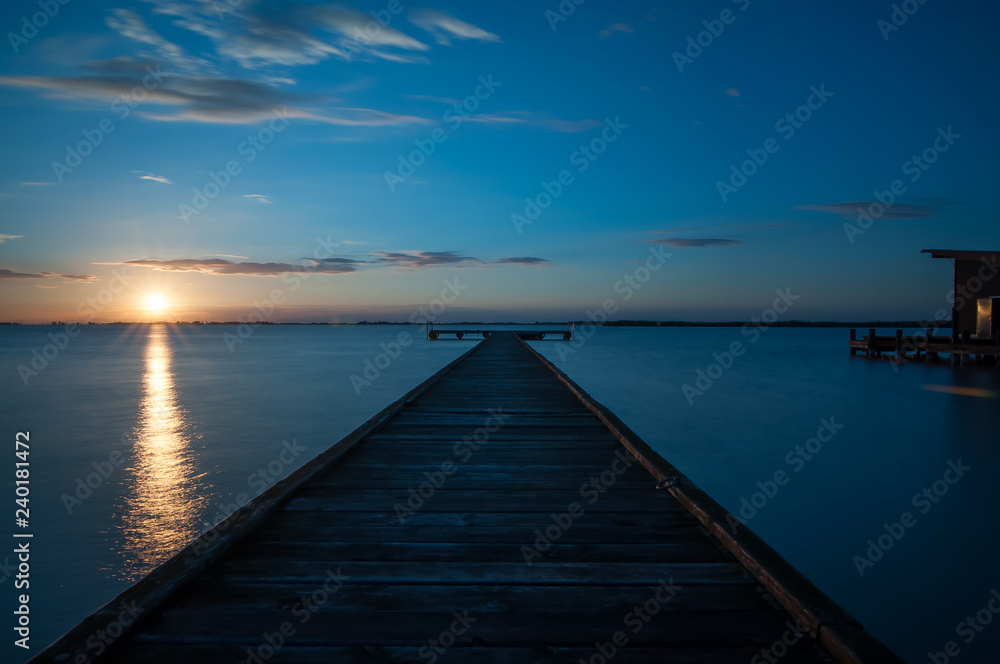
[[963, 254]]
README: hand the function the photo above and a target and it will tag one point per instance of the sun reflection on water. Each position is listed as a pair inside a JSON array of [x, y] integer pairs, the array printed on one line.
[[162, 501]]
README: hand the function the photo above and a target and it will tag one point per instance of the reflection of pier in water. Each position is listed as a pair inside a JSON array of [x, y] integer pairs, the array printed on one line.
[[163, 489]]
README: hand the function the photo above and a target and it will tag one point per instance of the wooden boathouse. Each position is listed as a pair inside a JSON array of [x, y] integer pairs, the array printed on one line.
[[973, 336], [495, 513], [976, 283]]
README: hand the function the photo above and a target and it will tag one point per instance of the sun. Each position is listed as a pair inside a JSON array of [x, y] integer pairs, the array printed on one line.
[[156, 303]]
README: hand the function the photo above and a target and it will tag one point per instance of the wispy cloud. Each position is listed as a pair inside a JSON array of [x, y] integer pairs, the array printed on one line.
[[733, 92], [153, 177], [129, 23], [397, 260], [6, 273], [894, 211], [260, 198], [337, 260], [212, 100], [433, 98], [414, 260], [521, 260], [344, 117], [531, 119], [517, 118], [615, 27], [351, 23], [4, 237], [34, 184], [445, 27], [255, 35], [222, 266], [420, 259], [695, 242]]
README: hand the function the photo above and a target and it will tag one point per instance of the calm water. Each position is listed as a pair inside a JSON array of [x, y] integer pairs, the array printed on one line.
[[185, 430]]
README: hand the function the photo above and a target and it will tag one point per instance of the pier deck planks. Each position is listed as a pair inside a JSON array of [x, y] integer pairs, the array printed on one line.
[[461, 550]]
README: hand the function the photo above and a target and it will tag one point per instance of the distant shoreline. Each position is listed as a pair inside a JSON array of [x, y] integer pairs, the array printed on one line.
[[617, 323]]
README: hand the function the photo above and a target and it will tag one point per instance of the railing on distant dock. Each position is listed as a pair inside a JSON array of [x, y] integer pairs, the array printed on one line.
[[963, 349], [434, 333]]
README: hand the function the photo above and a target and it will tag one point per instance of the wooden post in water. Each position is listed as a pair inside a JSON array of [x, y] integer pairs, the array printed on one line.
[[966, 358], [870, 351], [899, 346], [854, 337], [928, 355]]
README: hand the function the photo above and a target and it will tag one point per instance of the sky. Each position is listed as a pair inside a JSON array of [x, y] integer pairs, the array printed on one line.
[[502, 161]]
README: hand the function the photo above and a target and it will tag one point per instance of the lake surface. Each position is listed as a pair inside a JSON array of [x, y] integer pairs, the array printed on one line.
[[144, 436]]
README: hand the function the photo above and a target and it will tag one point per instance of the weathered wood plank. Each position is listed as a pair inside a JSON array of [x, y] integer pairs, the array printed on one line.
[[715, 628], [464, 573], [219, 594], [334, 499], [685, 550], [463, 478], [508, 536], [168, 653], [299, 522]]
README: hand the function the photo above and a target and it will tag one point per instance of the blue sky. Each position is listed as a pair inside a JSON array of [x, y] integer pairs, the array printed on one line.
[[644, 109]]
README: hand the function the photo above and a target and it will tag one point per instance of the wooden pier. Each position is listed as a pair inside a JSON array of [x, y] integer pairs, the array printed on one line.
[[927, 347], [495, 513]]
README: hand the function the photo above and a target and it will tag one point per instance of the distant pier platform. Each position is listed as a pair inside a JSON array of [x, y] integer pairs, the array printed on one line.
[[435, 333], [927, 346]]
